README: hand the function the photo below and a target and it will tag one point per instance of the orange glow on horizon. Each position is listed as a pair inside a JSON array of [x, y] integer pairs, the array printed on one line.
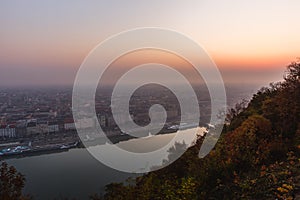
[[253, 62]]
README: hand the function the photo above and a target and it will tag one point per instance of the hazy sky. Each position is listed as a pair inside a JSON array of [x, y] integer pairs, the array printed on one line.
[[44, 42]]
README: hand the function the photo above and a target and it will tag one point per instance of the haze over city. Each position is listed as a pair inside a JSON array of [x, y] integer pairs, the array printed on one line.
[[44, 42]]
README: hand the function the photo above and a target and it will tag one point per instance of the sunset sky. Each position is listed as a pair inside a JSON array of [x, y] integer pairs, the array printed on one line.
[[44, 42]]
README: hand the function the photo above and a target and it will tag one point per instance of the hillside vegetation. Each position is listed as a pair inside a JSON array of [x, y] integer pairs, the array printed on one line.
[[257, 156]]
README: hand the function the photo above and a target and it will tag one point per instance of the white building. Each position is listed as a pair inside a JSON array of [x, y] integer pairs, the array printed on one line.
[[69, 124], [53, 127], [8, 131]]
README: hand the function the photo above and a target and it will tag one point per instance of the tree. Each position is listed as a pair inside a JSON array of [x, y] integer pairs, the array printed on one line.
[[248, 145], [234, 112], [11, 183], [292, 76]]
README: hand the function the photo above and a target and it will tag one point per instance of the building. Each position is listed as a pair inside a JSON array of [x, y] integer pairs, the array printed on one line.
[[8, 131], [32, 128], [69, 124], [53, 127]]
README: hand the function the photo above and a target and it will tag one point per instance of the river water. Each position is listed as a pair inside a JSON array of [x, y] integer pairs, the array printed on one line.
[[75, 173]]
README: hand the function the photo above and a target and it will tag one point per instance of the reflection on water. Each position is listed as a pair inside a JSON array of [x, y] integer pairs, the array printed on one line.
[[133, 157], [76, 173], [152, 143]]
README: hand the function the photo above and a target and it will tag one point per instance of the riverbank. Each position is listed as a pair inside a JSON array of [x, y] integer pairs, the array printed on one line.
[[57, 142]]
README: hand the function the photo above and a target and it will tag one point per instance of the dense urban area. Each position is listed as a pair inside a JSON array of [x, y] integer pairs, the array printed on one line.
[[41, 119]]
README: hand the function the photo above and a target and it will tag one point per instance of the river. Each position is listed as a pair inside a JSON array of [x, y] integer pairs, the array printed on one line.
[[75, 173]]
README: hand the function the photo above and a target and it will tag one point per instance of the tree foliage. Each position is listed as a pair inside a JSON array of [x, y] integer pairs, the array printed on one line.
[[11, 183]]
